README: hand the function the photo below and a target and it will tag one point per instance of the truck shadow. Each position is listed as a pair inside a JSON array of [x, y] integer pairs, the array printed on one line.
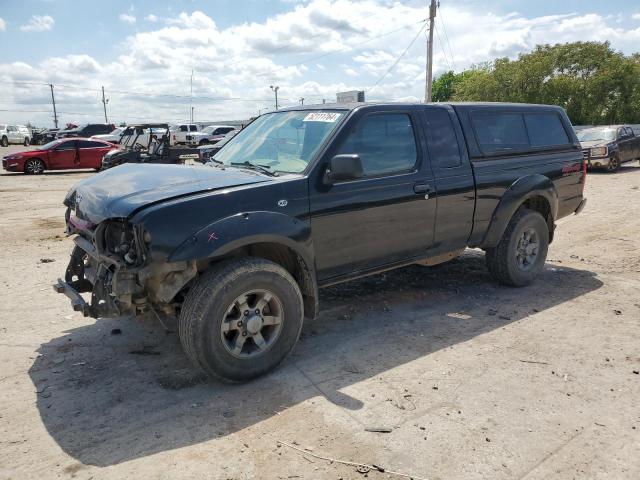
[[109, 397]]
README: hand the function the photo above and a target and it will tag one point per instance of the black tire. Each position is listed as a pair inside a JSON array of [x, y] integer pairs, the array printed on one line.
[[26, 141], [206, 307], [34, 166], [614, 164], [204, 141], [503, 261], [4, 142]]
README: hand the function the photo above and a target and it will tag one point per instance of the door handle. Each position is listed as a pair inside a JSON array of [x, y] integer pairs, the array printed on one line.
[[422, 188]]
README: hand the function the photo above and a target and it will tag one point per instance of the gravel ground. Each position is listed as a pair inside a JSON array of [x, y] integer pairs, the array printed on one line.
[[472, 379]]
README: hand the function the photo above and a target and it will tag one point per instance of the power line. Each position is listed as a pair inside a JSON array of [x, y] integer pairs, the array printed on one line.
[[444, 28], [399, 58], [442, 48]]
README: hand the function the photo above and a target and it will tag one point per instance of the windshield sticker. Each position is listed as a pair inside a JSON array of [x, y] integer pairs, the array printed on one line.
[[329, 117]]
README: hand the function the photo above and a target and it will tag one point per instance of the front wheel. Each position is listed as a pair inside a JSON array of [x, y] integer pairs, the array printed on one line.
[[614, 164], [241, 319], [26, 142], [33, 166], [520, 256], [4, 142]]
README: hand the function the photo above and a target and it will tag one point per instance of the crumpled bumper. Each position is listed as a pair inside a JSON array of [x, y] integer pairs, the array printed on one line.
[[86, 273]]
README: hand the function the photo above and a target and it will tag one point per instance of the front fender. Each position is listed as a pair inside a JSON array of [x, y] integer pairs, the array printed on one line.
[[230, 233], [519, 192]]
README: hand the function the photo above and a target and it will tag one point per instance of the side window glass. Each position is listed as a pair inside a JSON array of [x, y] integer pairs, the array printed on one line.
[[545, 130], [193, 128], [67, 146], [183, 128], [89, 144], [500, 132], [441, 135], [384, 142]]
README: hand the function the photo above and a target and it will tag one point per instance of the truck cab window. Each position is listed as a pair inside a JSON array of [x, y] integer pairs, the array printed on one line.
[[443, 143], [384, 142]]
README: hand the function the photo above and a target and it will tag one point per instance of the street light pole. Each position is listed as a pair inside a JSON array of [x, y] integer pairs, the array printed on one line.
[[275, 89], [302, 101]]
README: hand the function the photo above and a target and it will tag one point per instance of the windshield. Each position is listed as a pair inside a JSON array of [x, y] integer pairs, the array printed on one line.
[[281, 141], [117, 131], [595, 134]]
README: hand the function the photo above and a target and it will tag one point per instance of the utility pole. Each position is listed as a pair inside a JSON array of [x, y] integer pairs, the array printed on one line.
[[104, 104], [429, 81], [191, 99], [53, 100], [302, 101], [275, 90]]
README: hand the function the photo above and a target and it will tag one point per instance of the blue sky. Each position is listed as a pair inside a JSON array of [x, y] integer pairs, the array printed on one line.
[[143, 51]]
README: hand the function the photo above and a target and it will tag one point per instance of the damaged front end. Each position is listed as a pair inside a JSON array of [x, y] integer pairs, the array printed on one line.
[[111, 261]]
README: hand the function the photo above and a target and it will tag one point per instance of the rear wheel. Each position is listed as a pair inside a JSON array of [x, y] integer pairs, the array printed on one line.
[[26, 141], [4, 142], [241, 319], [520, 256], [33, 166], [614, 164], [204, 141]]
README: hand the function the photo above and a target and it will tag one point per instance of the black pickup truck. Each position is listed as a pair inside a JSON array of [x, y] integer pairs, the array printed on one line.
[[308, 197], [609, 146]]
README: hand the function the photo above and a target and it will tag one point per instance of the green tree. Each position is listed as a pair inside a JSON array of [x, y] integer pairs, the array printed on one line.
[[593, 82]]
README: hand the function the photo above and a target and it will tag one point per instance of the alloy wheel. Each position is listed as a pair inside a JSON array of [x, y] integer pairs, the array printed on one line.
[[252, 324], [527, 249]]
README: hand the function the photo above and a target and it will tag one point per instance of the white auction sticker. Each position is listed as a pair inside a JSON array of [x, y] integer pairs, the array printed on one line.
[[329, 117]]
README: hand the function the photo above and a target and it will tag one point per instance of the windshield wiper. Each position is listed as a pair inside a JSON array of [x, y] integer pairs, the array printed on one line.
[[260, 168]]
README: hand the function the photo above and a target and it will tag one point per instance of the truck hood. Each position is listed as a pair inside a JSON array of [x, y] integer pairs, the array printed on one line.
[[595, 143], [121, 191]]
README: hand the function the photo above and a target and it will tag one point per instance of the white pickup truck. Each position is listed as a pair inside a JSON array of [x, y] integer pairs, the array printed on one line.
[[189, 134]]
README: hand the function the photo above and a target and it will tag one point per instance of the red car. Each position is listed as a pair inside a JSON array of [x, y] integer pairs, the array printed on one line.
[[60, 154]]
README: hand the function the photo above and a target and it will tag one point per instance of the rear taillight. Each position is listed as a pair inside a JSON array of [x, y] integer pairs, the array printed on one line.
[[584, 174]]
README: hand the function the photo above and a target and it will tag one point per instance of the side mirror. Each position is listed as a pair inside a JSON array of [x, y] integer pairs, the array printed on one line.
[[344, 167]]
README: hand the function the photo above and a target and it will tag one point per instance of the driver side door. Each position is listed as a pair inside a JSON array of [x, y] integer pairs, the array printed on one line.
[[65, 155]]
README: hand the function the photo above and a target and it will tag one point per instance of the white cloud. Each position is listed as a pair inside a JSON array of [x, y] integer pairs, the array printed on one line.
[[127, 18], [3, 25], [151, 18], [348, 43], [38, 23], [636, 16]]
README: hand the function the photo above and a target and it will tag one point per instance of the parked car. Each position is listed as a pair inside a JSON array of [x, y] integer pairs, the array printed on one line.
[[307, 197], [49, 135], [206, 152], [215, 133], [609, 146], [111, 137], [59, 155], [18, 134], [189, 134], [38, 136], [87, 130]]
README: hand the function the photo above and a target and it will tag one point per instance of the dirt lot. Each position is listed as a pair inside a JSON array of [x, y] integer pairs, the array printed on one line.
[[474, 380]]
